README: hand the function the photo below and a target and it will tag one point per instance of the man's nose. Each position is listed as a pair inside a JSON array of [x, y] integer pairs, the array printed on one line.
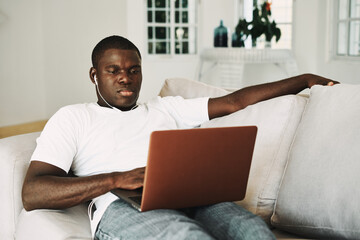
[[123, 78]]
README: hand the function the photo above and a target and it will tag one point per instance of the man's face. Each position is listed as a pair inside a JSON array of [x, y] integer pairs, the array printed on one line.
[[119, 78]]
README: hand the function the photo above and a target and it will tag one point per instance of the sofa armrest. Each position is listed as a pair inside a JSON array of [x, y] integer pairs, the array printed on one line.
[[43, 224], [15, 153]]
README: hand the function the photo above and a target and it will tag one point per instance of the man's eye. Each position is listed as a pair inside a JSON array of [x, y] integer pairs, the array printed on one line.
[[134, 71]]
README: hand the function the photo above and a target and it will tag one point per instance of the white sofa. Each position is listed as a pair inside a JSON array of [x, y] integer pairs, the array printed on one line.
[[303, 180]]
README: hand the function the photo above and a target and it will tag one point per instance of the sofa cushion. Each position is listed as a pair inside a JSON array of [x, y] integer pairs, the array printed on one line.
[[319, 194], [277, 120], [15, 153], [71, 223], [189, 89]]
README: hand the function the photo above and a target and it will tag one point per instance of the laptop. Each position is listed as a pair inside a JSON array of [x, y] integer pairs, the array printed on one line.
[[194, 167]]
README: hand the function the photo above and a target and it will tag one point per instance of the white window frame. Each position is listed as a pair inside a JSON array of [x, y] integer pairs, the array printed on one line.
[[172, 25], [334, 17]]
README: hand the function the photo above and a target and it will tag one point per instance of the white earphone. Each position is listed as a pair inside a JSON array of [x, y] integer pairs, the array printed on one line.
[[98, 90]]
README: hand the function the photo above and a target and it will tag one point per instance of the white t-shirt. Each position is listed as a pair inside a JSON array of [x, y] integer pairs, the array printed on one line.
[[90, 139]]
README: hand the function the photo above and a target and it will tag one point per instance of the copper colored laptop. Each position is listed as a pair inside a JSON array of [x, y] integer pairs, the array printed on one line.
[[194, 167]]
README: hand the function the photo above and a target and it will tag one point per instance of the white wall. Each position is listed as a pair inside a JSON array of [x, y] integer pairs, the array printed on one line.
[[21, 62], [45, 48]]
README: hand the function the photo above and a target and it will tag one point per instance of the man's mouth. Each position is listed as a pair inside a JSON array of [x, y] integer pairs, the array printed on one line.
[[125, 93]]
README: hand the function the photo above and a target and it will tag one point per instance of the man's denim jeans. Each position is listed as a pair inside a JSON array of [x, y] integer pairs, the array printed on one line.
[[218, 221]]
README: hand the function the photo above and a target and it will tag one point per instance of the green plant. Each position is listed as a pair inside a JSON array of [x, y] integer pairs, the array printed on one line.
[[260, 24], [241, 33]]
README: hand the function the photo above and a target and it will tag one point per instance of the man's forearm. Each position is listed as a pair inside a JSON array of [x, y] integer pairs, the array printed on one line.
[[55, 192], [254, 94], [46, 186]]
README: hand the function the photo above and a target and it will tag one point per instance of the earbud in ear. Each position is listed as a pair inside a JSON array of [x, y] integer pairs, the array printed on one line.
[[96, 83]]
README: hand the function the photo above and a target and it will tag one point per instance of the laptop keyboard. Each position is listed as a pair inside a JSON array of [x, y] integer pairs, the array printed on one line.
[[136, 199]]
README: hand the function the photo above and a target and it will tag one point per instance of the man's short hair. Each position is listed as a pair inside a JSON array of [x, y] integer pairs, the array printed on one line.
[[112, 42]]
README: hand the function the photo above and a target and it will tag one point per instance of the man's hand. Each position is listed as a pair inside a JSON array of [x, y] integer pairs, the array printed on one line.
[[318, 80], [132, 179]]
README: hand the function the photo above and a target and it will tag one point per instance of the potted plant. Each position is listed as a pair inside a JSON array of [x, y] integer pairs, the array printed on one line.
[[261, 24]]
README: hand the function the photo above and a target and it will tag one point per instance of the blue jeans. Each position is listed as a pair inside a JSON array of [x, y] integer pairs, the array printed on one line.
[[218, 221]]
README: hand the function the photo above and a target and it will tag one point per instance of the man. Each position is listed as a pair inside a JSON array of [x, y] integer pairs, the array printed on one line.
[[105, 145]]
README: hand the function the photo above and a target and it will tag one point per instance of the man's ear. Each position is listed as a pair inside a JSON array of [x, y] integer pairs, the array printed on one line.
[[92, 74]]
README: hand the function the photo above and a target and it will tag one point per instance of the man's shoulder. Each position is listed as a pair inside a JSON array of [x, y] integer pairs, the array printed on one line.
[[77, 107], [74, 110], [177, 103], [174, 100], [160, 100]]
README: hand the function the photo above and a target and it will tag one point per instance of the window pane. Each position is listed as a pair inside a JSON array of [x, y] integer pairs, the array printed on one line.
[[342, 37], [179, 33], [151, 50], [162, 32], [163, 47], [162, 16], [177, 17], [182, 17], [181, 3], [150, 16], [343, 9], [149, 3], [185, 47], [185, 17], [355, 8], [354, 41], [178, 47], [182, 47], [150, 33], [186, 33], [160, 3]]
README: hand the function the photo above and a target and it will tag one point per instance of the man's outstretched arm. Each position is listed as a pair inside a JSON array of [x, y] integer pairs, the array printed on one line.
[[242, 98], [47, 186]]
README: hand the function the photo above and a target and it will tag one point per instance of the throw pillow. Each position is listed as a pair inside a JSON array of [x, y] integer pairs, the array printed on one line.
[[277, 120], [319, 194]]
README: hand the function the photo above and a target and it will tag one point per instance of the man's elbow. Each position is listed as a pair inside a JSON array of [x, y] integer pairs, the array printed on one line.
[[28, 200], [27, 206]]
